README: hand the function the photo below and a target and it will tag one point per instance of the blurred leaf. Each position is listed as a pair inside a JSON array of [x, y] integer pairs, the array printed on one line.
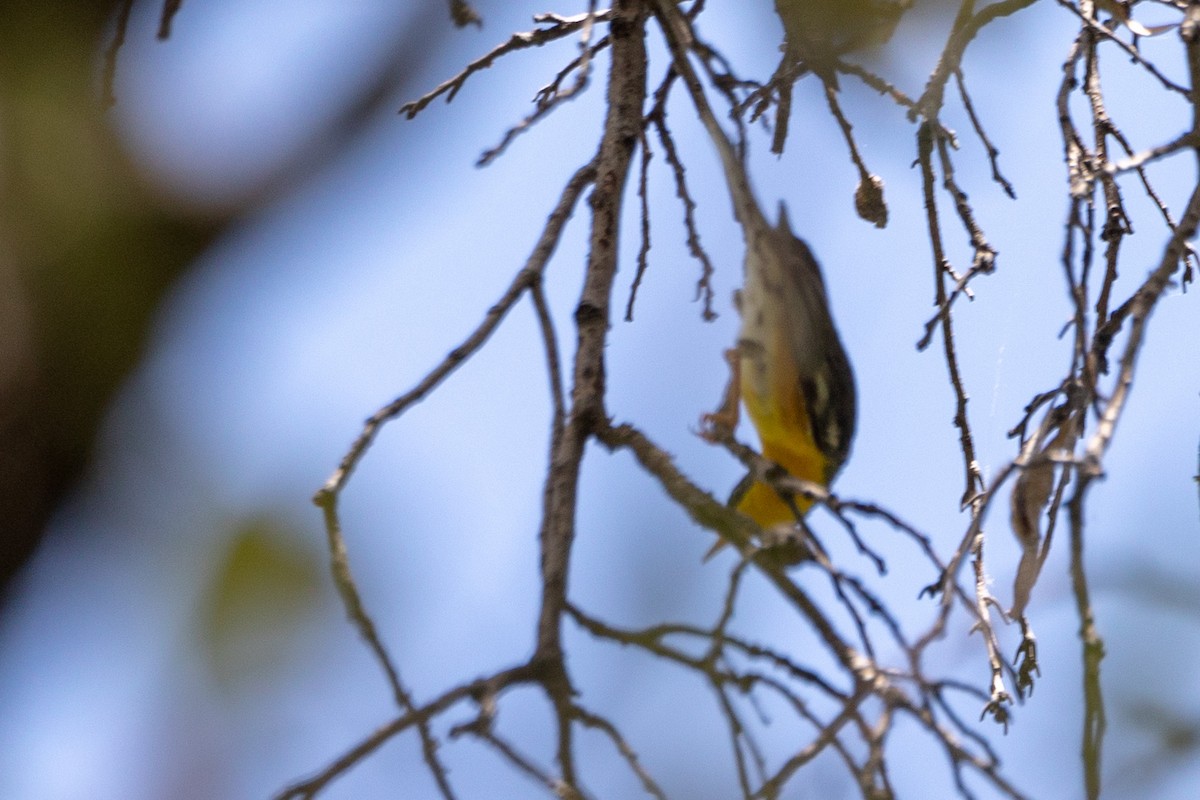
[[264, 589]]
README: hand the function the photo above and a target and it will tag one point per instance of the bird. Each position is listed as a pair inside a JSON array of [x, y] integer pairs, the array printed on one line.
[[794, 376], [790, 371], [789, 368]]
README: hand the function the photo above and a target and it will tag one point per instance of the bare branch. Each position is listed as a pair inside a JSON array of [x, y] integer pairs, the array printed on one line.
[[524, 279], [1096, 29], [558, 27]]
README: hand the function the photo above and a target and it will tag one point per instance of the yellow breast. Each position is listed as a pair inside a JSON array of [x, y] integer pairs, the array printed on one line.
[[771, 391]]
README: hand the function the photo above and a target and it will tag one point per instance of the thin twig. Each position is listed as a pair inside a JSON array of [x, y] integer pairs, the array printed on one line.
[[559, 27], [533, 268], [993, 153], [1097, 29], [108, 78], [657, 117], [493, 683], [169, 9]]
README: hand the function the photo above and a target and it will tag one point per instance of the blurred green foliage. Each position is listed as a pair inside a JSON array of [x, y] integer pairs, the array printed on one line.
[[86, 253], [263, 588]]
